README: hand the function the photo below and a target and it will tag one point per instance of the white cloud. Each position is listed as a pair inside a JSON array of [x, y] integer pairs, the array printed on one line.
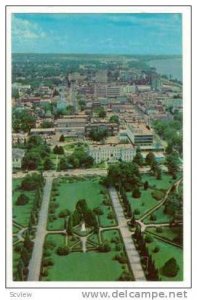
[[26, 30]]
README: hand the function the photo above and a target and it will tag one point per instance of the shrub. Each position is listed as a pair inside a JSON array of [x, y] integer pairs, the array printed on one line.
[[136, 193], [64, 213], [159, 229], [47, 262], [110, 215], [22, 199], [153, 217], [49, 245], [62, 251], [170, 268], [136, 211], [148, 239], [98, 211], [105, 247], [156, 249], [157, 195], [45, 273]]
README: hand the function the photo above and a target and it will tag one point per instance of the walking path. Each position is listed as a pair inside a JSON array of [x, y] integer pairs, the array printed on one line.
[[160, 203], [133, 256], [36, 259]]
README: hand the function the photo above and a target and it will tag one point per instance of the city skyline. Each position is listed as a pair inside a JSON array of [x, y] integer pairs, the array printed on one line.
[[129, 34]]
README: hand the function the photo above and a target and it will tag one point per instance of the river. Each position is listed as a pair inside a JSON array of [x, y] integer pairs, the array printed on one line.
[[168, 66]]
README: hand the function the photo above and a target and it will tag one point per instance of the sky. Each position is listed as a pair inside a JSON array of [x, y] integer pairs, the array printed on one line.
[[109, 33]]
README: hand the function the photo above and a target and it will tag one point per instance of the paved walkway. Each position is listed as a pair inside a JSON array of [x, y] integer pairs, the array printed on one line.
[[36, 259], [133, 256], [74, 172], [150, 211]]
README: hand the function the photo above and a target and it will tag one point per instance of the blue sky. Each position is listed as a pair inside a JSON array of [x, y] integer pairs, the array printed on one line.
[[139, 33]]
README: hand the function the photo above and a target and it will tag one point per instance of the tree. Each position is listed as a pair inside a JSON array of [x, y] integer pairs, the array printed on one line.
[[146, 185], [62, 251], [23, 121], [48, 165], [150, 158], [32, 182], [136, 193], [98, 134], [82, 104], [105, 247], [70, 225], [138, 158], [25, 255], [62, 139], [101, 113], [170, 268], [58, 150], [172, 163], [98, 211], [47, 124], [63, 164], [114, 119], [22, 199]]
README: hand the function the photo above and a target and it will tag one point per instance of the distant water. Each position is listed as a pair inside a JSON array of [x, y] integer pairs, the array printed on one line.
[[170, 66]]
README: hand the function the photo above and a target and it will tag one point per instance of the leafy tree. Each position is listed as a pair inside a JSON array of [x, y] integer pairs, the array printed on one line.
[[101, 113], [58, 150], [98, 211], [172, 163], [146, 185], [82, 104], [150, 158], [63, 164], [105, 247], [170, 268], [114, 119], [62, 251], [23, 121], [32, 182], [48, 165], [70, 225], [138, 158], [47, 124], [62, 138], [22, 199], [98, 134], [136, 193]]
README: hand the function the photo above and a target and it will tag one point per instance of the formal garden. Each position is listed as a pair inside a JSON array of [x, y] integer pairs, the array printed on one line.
[[67, 191]]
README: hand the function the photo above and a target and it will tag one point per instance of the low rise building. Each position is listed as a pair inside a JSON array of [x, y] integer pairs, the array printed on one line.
[[17, 157], [140, 134], [112, 128], [112, 152]]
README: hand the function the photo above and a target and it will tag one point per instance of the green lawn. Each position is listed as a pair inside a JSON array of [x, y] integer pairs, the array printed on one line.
[[70, 191], [111, 236], [164, 183], [161, 217], [21, 213], [166, 252], [169, 233], [144, 203], [78, 266]]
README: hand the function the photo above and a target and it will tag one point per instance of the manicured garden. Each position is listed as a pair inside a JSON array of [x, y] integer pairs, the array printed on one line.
[[78, 266], [21, 213], [166, 252], [150, 197], [172, 234], [67, 191]]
